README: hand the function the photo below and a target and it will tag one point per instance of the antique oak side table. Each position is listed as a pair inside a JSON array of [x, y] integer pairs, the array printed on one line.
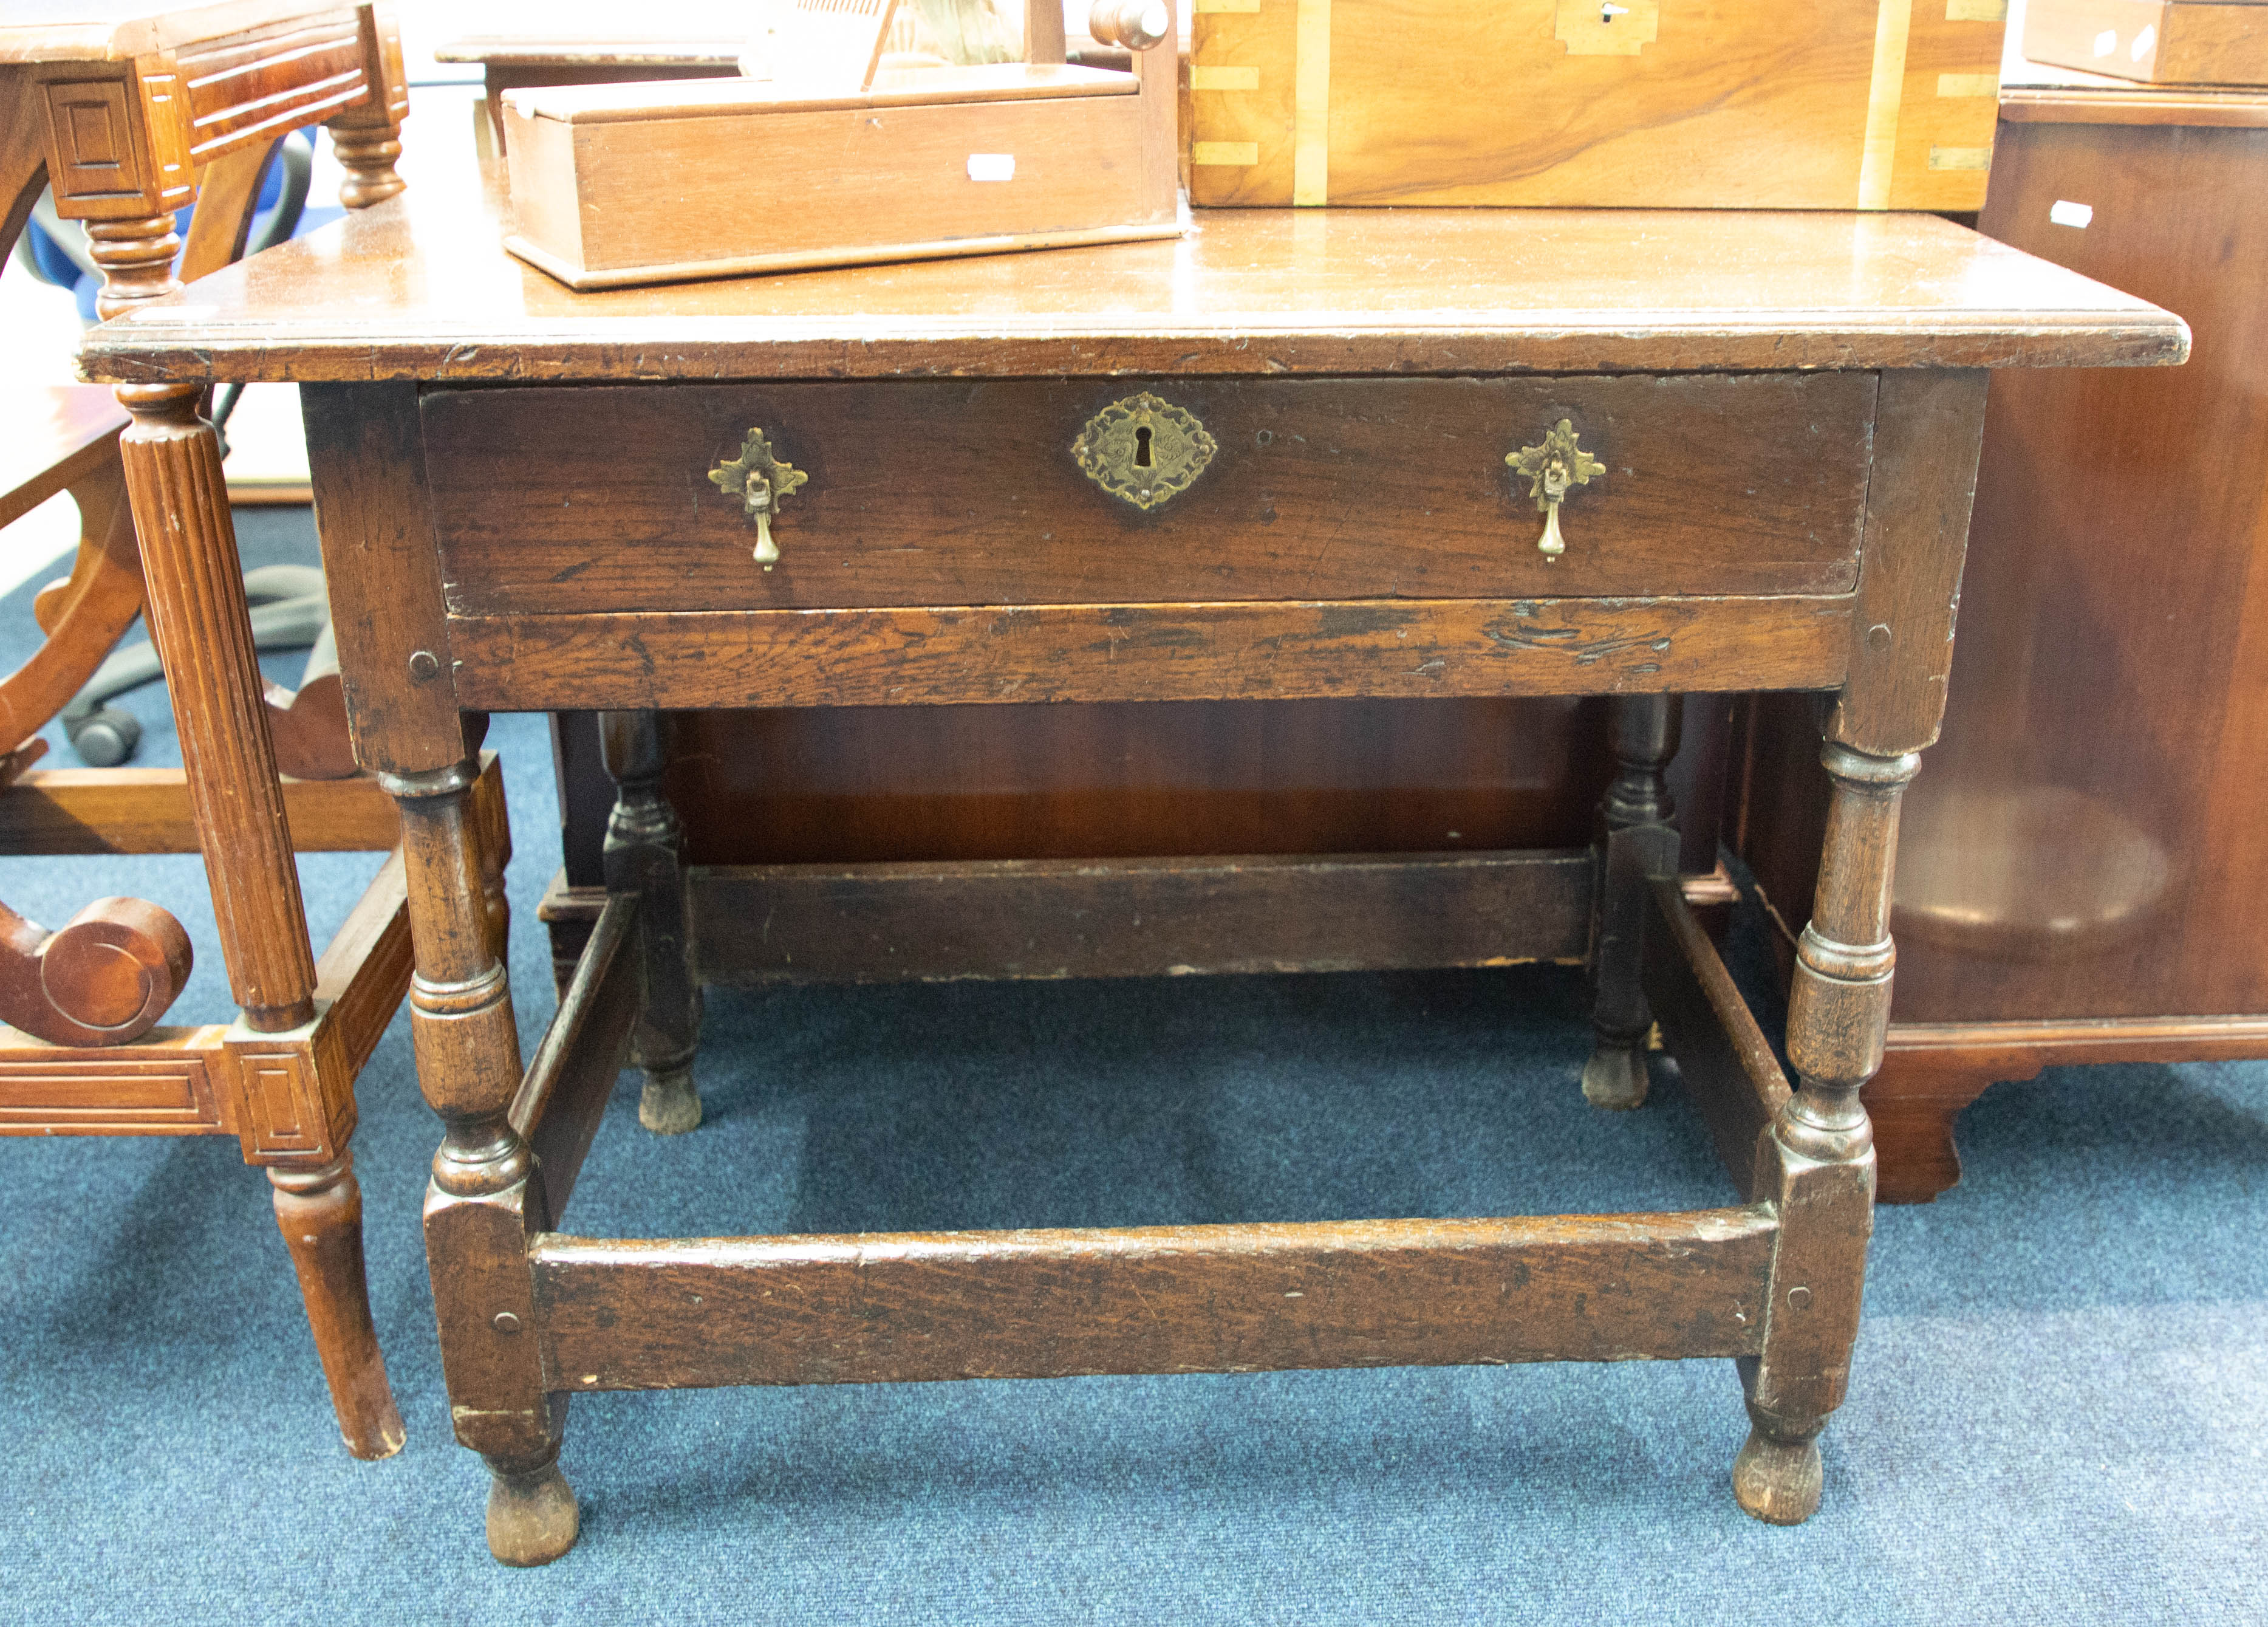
[[1324, 454]]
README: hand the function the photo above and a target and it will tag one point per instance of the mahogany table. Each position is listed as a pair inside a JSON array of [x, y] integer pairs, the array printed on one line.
[[1294, 454]]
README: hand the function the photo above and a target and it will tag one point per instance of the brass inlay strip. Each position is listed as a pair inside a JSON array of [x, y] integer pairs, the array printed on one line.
[[1975, 11], [1225, 152], [1969, 84], [1960, 158], [1311, 106], [1892, 19], [1224, 78]]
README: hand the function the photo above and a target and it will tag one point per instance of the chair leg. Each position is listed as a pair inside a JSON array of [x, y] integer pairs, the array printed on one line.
[[319, 1211]]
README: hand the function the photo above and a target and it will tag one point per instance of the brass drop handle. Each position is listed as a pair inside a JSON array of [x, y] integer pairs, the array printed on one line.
[[762, 480], [1553, 470]]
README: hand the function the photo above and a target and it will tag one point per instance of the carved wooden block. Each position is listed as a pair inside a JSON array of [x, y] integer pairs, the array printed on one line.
[[294, 1092]]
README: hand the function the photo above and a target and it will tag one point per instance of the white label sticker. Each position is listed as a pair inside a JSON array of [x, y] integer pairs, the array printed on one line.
[[2106, 42], [2143, 42], [991, 167], [2065, 214]]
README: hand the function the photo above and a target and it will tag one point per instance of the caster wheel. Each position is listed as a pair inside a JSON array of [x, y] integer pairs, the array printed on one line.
[[105, 738]]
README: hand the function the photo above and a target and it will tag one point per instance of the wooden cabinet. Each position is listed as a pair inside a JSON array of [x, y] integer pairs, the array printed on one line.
[[2083, 855]]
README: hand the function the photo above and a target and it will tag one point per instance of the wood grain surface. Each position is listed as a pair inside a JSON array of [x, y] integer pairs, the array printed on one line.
[[1732, 103], [418, 288], [1135, 918], [947, 493], [1148, 652], [1243, 1298]]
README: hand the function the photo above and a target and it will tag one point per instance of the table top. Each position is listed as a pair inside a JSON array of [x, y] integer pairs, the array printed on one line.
[[420, 287], [43, 31]]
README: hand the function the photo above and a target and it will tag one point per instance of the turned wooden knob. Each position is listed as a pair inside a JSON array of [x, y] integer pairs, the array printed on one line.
[[104, 979], [1138, 25]]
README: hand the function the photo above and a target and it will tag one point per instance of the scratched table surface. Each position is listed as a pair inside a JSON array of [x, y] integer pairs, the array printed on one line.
[[420, 287]]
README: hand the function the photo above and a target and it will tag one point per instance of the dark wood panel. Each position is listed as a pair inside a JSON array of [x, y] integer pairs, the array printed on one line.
[[958, 492], [860, 784], [1136, 918], [1380, 1293], [850, 785], [1147, 651]]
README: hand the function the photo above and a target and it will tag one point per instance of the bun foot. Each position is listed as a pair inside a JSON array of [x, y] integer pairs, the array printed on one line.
[[531, 1515], [670, 1106], [1778, 1482], [1615, 1078]]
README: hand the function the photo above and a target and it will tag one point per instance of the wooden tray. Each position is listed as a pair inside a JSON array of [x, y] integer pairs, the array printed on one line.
[[616, 184]]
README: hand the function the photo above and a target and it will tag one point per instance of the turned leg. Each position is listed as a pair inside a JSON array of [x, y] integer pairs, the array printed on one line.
[[642, 857], [1818, 1163], [478, 1209], [319, 1211], [367, 138], [1638, 840]]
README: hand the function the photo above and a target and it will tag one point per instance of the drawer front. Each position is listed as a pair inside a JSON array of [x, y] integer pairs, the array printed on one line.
[[952, 492]]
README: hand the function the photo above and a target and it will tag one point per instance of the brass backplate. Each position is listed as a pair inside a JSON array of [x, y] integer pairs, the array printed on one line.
[[1144, 449]]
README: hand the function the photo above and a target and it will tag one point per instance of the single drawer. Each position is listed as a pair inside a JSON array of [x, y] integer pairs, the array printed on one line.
[[952, 492]]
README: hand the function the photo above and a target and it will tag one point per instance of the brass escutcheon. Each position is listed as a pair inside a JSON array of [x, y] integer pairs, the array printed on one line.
[[762, 480], [1144, 449], [1552, 470]]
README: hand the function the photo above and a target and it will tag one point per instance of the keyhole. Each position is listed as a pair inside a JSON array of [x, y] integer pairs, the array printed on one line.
[[1142, 447]]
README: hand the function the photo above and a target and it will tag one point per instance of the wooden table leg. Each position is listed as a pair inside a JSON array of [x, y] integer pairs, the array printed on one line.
[[479, 1209], [1638, 840], [1817, 1166], [643, 840], [1819, 1160]]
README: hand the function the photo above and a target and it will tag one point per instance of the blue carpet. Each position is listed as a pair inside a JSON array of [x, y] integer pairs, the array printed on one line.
[[2057, 1413]]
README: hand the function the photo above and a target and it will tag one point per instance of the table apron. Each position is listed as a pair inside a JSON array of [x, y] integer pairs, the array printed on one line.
[[1149, 652]]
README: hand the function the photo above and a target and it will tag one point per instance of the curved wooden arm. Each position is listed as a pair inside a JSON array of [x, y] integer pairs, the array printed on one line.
[[84, 617], [104, 979]]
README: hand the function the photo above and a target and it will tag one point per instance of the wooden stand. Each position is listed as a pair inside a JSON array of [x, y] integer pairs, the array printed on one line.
[[1394, 555]]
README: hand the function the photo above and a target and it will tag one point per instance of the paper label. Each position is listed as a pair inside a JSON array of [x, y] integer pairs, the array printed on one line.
[[991, 167], [2065, 214]]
